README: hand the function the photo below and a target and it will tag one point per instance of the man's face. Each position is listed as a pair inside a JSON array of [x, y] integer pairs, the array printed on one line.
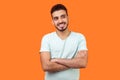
[[60, 20]]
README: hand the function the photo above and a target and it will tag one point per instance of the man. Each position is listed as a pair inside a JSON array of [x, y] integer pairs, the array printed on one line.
[[63, 52]]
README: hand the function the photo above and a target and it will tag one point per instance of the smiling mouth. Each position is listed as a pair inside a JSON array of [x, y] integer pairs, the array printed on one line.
[[61, 24]]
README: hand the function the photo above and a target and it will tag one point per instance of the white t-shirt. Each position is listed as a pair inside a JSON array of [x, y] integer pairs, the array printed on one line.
[[67, 48]]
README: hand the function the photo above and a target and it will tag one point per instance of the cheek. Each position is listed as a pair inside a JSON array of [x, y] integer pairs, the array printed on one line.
[[65, 20], [55, 22]]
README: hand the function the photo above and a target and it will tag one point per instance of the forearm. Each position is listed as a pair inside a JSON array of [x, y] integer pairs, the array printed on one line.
[[72, 63], [54, 67], [49, 66], [79, 61]]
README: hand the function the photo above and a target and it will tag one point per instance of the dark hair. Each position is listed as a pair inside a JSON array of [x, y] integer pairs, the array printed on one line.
[[58, 7]]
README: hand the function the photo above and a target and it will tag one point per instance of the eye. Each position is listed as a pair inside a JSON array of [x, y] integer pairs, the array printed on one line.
[[55, 18], [63, 16]]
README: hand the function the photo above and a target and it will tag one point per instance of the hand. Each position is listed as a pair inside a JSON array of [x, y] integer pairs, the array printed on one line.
[[54, 60]]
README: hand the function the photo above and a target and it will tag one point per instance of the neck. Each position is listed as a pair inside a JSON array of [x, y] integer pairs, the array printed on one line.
[[63, 35]]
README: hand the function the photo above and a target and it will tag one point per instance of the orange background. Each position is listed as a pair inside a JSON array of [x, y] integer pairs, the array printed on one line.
[[24, 22]]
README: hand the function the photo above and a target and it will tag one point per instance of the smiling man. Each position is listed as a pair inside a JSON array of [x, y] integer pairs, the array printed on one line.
[[62, 52]]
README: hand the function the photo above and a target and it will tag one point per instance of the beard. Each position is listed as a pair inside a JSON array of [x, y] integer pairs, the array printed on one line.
[[62, 28]]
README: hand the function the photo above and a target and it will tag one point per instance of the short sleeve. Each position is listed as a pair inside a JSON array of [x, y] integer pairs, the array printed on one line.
[[45, 44], [82, 44]]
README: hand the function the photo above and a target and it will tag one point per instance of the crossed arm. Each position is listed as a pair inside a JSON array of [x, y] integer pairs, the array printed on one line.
[[50, 66], [58, 64]]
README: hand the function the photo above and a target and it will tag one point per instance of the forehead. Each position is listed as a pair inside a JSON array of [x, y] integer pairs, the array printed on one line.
[[59, 13]]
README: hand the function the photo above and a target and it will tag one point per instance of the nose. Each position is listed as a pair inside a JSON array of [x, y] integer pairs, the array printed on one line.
[[60, 20]]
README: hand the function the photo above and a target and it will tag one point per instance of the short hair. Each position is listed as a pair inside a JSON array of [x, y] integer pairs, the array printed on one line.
[[58, 7]]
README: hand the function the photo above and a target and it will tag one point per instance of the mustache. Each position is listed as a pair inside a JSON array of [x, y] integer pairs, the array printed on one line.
[[61, 23]]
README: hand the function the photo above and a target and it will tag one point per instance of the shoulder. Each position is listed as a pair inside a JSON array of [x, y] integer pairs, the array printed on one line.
[[49, 35], [78, 35]]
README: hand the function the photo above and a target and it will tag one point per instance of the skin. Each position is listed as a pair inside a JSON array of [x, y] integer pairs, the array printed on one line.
[[80, 61], [50, 66], [60, 21]]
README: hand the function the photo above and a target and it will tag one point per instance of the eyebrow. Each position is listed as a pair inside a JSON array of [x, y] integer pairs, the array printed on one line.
[[60, 16], [63, 15], [55, 17]]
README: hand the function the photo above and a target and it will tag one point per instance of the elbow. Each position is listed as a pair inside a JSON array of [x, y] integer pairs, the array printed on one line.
[[80, 66], [45, 68], [83, 65]]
